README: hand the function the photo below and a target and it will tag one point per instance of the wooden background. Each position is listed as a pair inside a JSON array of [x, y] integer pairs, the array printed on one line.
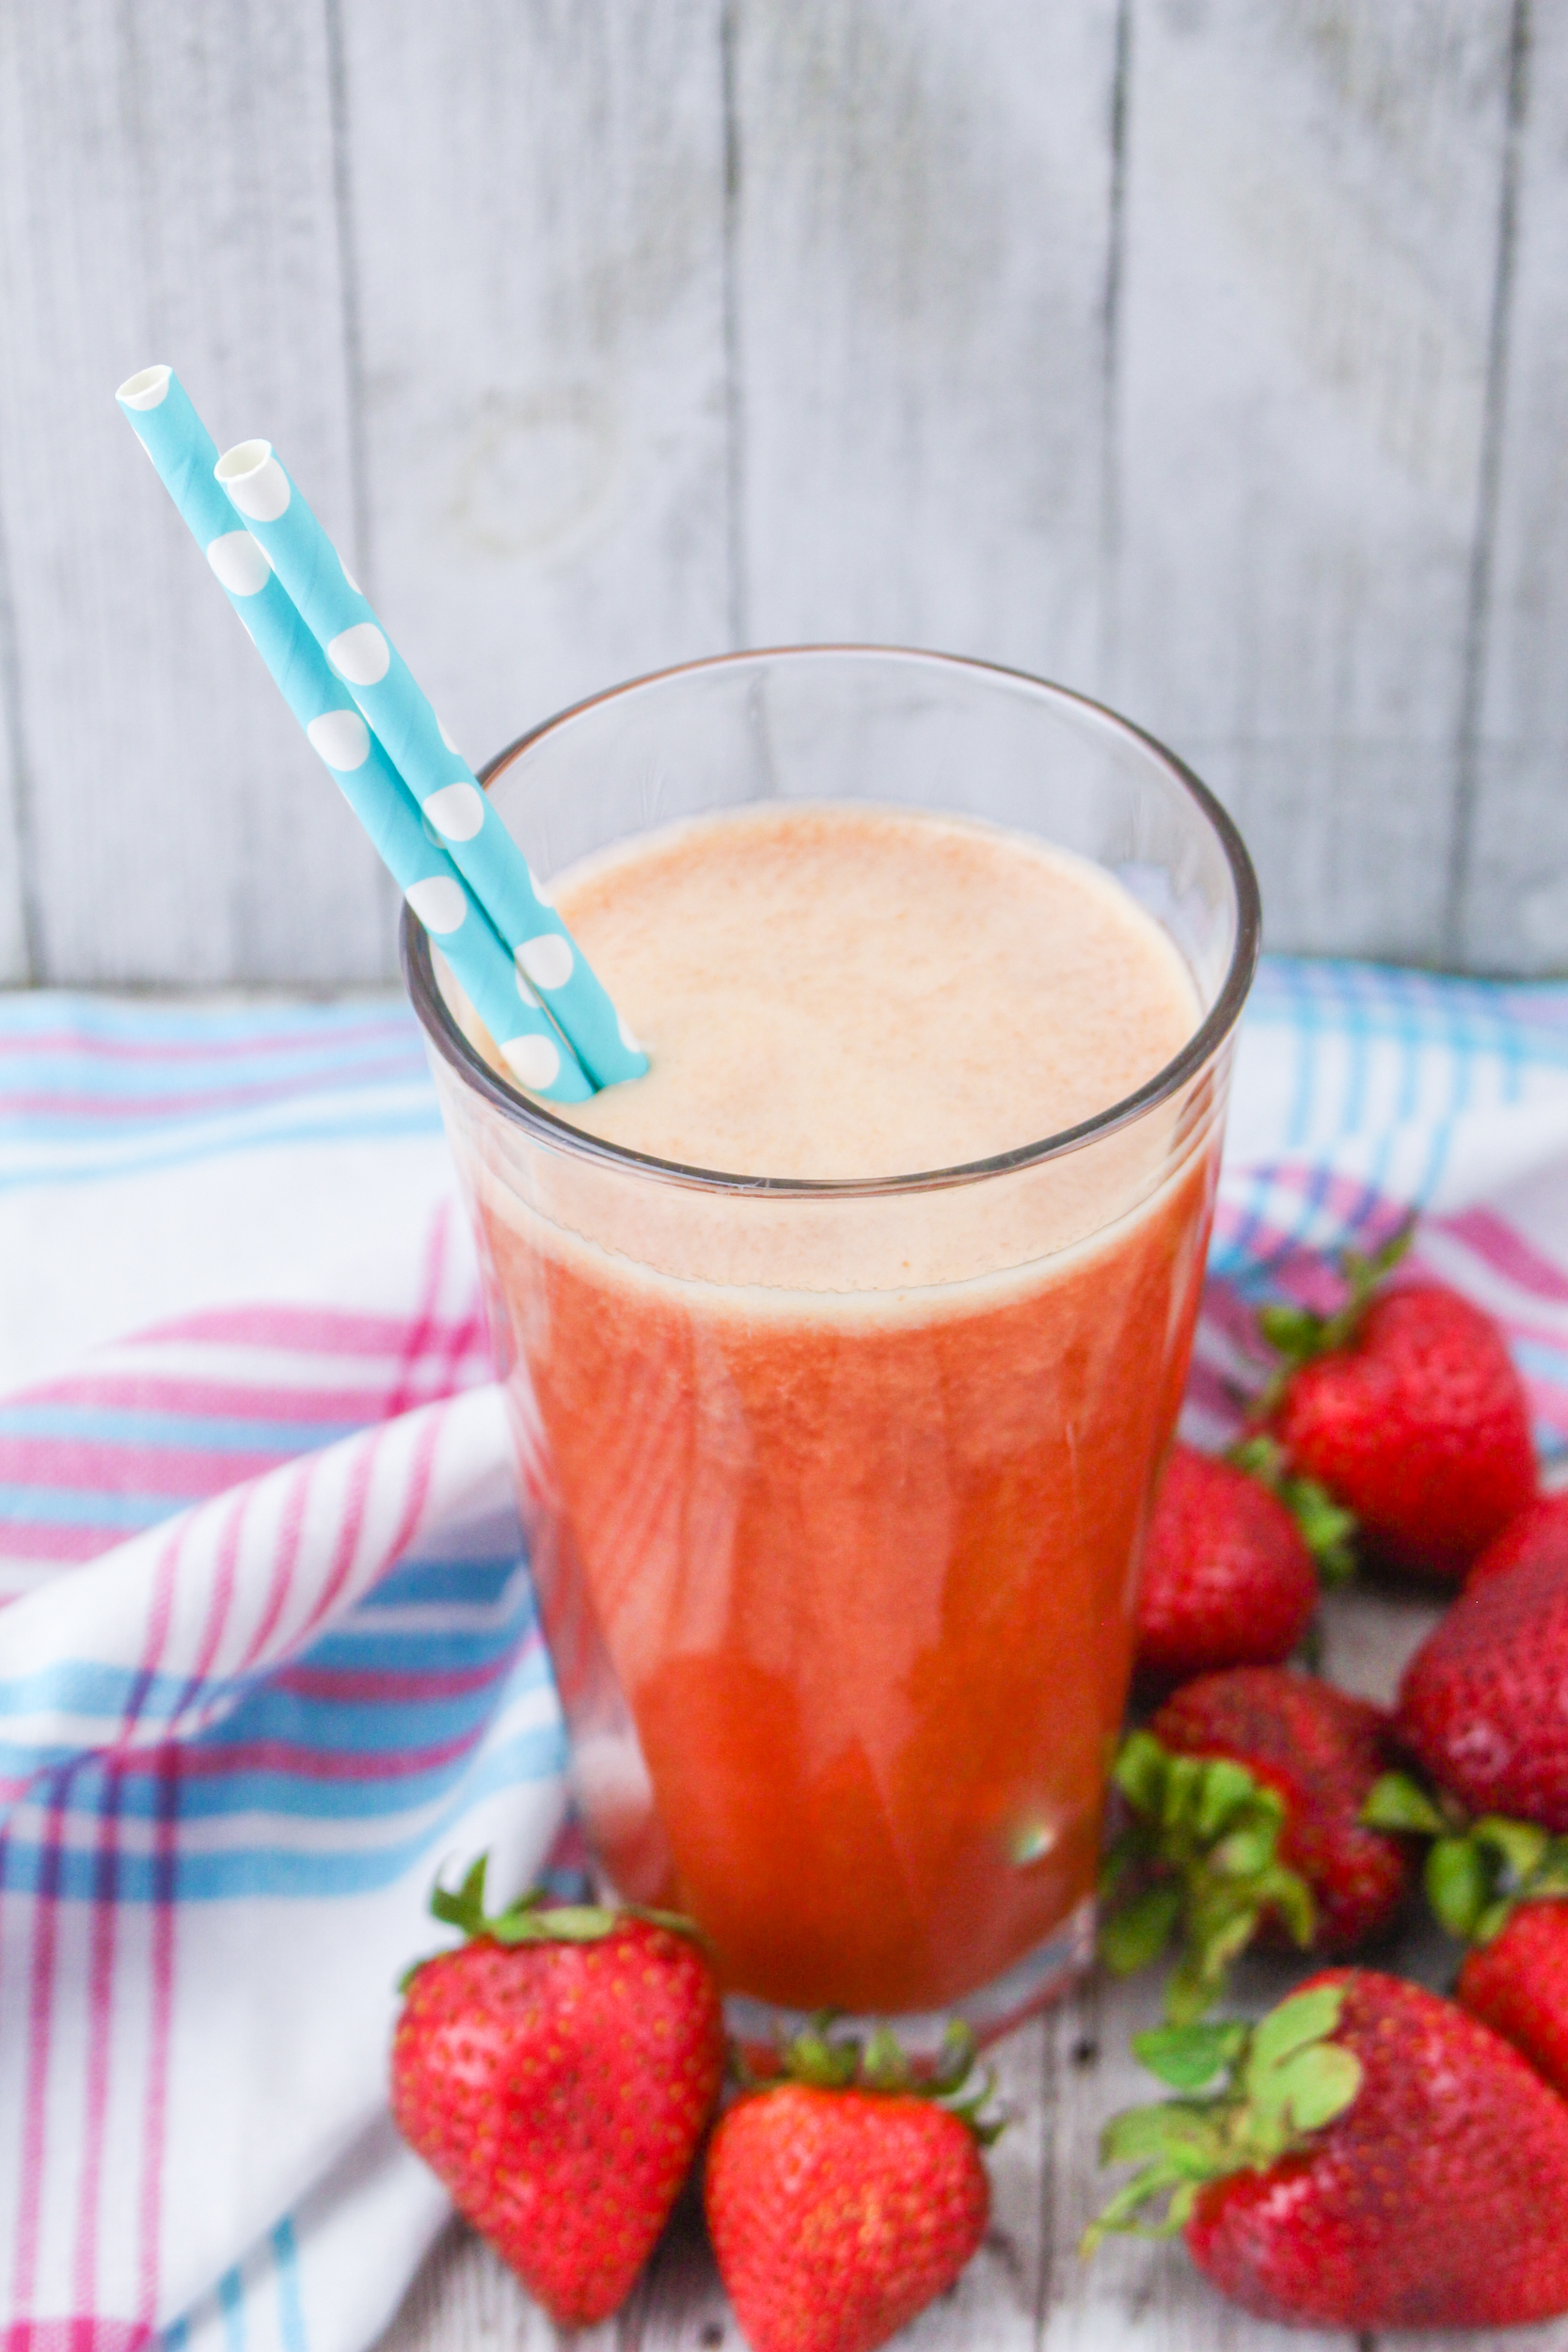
[[1205, 353]]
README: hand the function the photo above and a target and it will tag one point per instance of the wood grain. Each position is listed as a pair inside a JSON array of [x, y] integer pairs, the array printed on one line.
[[1028, 2289], [167, 191], [923, 247], [1513, 906], [1206, 354], [538, 199], [1312, 220], [15, 954]]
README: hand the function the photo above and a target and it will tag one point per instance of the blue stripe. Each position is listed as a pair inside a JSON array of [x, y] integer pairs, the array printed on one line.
[[205, 1433], [231, 2304], [291, 2309], [193, 1080], [535, 1758], [61, 1506], [387, 1128]]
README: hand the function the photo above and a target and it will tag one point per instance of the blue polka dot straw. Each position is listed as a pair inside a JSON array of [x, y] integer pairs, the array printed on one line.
[[363, 656], [184, 453]]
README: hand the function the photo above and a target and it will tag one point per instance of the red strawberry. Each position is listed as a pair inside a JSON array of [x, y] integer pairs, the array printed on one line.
[[558, 2072], [1230, 1572], [837, 2211], [1407, 1408], [1539, 1532], [1518, 1985], [1375, 2158], [1247, 1792], [1498, 1885], [1483, 1704]]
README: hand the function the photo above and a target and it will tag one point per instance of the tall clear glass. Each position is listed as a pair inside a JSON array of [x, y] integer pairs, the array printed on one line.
[[835, 1490]]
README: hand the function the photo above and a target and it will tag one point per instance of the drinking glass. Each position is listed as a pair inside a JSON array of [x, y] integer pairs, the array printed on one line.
[[834, 1491]]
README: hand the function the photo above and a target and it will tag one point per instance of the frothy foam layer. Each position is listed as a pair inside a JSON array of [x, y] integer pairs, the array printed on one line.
[[860, 992]]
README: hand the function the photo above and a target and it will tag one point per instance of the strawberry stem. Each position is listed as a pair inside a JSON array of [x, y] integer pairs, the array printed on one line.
[[532, 1920], [1283, 2079], [1327, 1529], [1297, 1335], [1201, 1863], [1477, 1873], [825, 2060]]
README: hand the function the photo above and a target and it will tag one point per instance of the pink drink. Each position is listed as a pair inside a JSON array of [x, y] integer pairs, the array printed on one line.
[[846, 1508]]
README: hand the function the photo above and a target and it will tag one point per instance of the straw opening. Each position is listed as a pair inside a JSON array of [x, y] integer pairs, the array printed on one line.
[[146, 389], [245, 459]]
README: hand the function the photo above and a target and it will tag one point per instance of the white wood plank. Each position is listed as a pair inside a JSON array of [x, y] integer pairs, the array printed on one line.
[[539, 203], [923, 247], [14, 958], [166, 193], [1514, 916], [1312, 211]]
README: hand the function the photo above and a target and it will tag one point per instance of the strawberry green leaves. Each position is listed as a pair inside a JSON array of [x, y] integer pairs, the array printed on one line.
[[1278, 2082], [530, 1919], [1199, 1863], [1297, 1336], [826, 2060], [1328, 1531], [1477, 1873]]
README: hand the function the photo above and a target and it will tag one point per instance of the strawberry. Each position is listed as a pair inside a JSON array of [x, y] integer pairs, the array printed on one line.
[[1537, 1532], [1498, 1885], [843, 2200], [1246, 1793], [558, 2071], [1518, 1985], [1231, 1562], [1374, 2157], [1406, 1406], [1483, 1703]]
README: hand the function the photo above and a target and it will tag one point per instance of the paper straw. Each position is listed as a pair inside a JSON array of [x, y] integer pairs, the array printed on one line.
[[381, 683], [156, 406]]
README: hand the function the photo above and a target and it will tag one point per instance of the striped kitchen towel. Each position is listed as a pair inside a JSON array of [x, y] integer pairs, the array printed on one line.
[[268, 1650]]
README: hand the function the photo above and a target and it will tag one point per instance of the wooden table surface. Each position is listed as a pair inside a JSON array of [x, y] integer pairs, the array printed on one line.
[[1027, 2290]]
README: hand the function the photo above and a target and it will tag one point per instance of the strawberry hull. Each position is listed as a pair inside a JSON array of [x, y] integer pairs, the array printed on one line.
[[1322, 1751]]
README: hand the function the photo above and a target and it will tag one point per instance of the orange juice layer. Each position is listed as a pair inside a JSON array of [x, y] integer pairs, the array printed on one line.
[[853, 1492]]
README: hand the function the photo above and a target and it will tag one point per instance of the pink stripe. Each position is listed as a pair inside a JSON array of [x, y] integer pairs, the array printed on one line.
[[201, 1762], [201, 1102], [28, 1539], [348, 1533], [99, 2015], [35, 2098], [1508, 1253], [71, 2335], [417, 1337], [231, 1400], [332, 1330], [285, 1557], [82, 1042], [41, 1990], [351, 1685], [222, 1599], [155, 2112]]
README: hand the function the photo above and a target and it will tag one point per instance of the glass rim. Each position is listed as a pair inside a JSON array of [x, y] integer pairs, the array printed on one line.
[[534, 1117]]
